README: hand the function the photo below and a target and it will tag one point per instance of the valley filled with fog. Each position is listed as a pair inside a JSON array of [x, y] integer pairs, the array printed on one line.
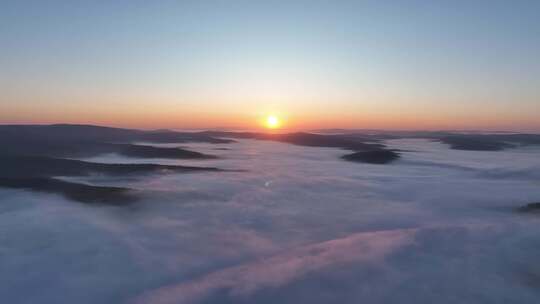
[[283, 223]]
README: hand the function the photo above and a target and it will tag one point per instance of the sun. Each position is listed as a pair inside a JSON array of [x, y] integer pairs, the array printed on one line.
[[272, 122]]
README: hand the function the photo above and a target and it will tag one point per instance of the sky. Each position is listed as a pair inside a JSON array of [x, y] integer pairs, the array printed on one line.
[[314, 64]]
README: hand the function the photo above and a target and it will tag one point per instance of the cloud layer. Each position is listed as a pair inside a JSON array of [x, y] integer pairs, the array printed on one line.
[[296, 225]]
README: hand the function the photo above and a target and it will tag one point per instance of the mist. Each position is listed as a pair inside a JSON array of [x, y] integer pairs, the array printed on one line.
[[285, 224]]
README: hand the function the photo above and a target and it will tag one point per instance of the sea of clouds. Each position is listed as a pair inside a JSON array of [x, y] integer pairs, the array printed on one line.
[[288, 224]]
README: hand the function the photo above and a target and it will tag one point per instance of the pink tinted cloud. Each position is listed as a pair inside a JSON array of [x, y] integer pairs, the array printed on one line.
[[283, 268]]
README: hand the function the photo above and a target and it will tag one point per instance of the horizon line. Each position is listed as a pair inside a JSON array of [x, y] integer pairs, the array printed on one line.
[[281, 130]]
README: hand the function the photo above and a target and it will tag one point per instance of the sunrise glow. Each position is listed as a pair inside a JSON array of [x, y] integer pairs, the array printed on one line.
[[244, 64], [272, 122]]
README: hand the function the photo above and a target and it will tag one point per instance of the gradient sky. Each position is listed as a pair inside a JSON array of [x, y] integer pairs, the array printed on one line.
[[316, 64]]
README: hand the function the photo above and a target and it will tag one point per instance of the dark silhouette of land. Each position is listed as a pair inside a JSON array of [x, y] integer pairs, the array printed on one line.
[[39, 166], [87, 141], [532, 207], [457, 140], [372, 157], [75, 191], [37, 173], [367, 148], [90, 133], [142, 151], [33, 156], [489, 142]]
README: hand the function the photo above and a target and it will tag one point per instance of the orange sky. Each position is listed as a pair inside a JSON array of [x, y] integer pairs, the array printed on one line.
[[150, 117], [326, 64]]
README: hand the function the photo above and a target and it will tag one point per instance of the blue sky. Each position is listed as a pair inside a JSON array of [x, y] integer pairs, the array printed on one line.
[[399, 64]]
